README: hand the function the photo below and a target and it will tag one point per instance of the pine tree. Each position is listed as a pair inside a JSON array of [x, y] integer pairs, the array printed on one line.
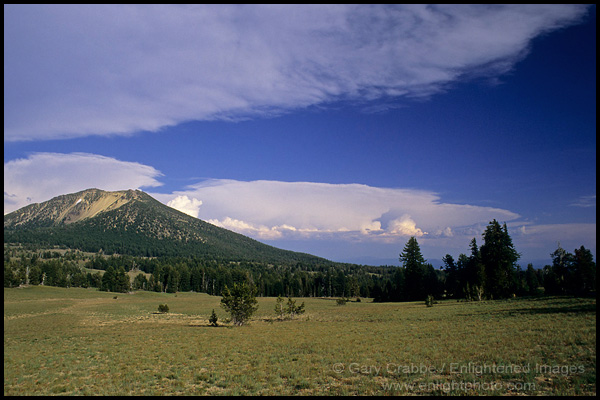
[[240, 301], [475, 274], [172, 280], [573, 274], [531, 280], [213, 318], [499, 258], [121, 281], [584, 272], [279, 307], [140, 282], [558, 277], [414, 265], [292, 309], [397, 288], [452, 280], [108, 279]]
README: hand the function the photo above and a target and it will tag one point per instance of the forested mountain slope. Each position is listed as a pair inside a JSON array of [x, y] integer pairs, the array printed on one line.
[[132, 222]]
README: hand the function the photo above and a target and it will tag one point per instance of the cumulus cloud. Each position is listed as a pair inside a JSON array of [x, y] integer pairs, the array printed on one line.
[[295, 210], [74, 70], [186, 205], [405, 226], [42, 176]]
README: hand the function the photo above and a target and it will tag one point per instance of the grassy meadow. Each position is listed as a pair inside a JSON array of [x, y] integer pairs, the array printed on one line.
[[76, 341]]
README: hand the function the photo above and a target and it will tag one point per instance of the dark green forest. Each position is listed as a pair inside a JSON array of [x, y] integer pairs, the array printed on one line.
[[489, 271]]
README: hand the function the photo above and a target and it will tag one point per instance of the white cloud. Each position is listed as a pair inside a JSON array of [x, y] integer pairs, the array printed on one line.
[[74, 70], [295, 210], [245, 228], [186, 205], [585, 202], [42, 176], [405, 226], [270, 210], [348, 220]]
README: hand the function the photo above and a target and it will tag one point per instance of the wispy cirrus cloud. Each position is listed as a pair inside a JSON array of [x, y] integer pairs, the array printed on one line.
[[76, 70], [585, 202]]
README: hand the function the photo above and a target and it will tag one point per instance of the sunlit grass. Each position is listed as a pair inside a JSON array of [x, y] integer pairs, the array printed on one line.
[[86, 342]]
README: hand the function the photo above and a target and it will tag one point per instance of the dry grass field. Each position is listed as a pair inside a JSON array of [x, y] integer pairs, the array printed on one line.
[[85, 342]]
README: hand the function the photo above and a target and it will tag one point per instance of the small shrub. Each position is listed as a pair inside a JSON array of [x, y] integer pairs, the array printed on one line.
[[429, 301], [291, 309], [213, 318], [341, 301], [163, 308]]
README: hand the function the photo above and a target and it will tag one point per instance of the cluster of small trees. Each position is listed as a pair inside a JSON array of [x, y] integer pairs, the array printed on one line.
[[489, 271], [36, 270], [240, 301], [288, 311], [571, 273], [115, 280]]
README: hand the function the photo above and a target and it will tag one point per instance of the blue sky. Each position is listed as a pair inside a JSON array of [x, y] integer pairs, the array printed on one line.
[[339, 131]]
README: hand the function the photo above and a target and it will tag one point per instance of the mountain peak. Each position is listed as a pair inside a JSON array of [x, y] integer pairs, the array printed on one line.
[[132, 222], [70, 208]]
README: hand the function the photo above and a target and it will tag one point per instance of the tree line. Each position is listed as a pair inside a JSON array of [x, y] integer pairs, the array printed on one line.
[[181, 274], [489, 271]]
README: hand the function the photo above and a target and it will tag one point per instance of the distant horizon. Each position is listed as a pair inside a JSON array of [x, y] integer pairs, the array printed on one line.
[[335, 130]]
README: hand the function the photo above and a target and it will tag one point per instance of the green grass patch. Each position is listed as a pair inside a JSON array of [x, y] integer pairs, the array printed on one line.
[[85, 342]]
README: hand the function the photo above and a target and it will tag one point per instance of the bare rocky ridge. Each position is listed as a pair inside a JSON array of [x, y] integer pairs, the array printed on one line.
[[70, 208]]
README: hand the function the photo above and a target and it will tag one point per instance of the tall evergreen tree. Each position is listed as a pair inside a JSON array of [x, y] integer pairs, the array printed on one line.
[[475, 276], [531, 280], [414, 265], [584, 272], [108, 279], [461, 266], [122, 283], [499, 258], [172, 279], [452, 279], [140, 282], [398, 285], [156, 279], [558, 276]]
